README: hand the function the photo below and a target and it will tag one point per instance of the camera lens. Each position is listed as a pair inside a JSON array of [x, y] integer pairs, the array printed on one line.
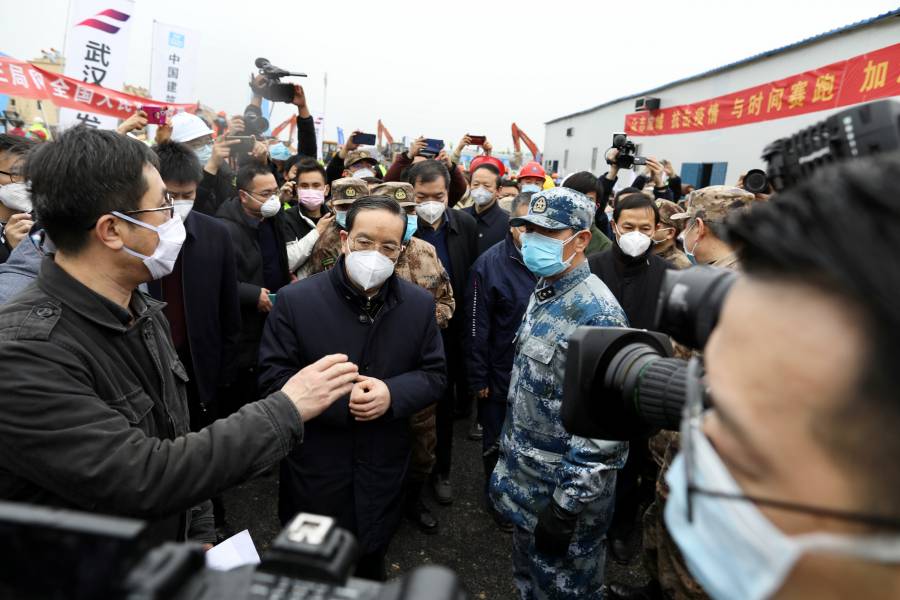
[[756, 181], [690, 301]]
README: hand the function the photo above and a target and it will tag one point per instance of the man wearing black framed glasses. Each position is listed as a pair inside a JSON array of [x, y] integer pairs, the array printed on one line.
[[787, 483], [15, 201], [94, 414]]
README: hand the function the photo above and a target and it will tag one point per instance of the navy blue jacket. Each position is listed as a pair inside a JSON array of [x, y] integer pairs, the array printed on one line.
[[493, 226], [353, 470], [212, 312], [496, 299]]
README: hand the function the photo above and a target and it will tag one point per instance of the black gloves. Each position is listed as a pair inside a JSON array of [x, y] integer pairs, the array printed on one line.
[[554, 530]]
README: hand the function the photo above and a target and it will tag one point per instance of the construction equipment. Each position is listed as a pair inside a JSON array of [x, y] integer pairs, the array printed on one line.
[[292, 121], [518, 137], [383, 131]]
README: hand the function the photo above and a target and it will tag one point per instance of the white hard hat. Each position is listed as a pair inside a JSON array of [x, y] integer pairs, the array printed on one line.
[[187, 127]]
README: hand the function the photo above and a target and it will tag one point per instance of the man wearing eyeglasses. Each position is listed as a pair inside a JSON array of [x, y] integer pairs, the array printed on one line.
[[94, 414], [353, 462], [787, 483], [15, 202]]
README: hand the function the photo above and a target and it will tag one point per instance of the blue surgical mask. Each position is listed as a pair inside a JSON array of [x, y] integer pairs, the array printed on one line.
[[341, 217], [544, 255], [279, 152], [688, 253], [531, 187], [204, 154], [412, 223]]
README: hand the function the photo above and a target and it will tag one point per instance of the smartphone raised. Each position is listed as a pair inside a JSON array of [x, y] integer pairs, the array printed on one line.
[[432, 147], [364, 139], [477, 140], [245, 144], [156, 115]]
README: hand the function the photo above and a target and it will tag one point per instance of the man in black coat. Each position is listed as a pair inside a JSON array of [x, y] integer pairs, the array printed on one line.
[[256, 223], [454, 235], [354, 458], [201, 292], [634, 275]]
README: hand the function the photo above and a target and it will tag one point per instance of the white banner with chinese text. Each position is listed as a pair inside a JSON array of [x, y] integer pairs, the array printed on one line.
[[96, 52], [173, 69]]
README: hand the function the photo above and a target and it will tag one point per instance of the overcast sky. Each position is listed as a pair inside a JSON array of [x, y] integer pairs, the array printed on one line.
[[443, 69]]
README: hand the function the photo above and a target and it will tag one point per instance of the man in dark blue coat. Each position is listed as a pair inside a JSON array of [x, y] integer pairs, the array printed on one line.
[[201, 293], [353, 461], [496, 299]]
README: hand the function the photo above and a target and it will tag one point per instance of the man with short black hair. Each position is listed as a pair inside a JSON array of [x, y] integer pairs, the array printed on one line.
[[309, 218], [492, 221], [353, 462], [94, 353], [453, 234], [15, 201], [587, 184]]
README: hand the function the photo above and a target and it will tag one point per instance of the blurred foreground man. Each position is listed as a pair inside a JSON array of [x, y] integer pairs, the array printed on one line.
[[556, 488], [94, 414], [787, 486]]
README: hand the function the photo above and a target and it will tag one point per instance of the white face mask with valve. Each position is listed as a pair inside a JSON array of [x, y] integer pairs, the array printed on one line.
[[171, 238]]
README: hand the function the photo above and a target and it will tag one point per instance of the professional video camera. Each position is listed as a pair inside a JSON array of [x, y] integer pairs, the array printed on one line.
[[54, 553], [273, 89], [622, 383], [626, 158], [856, 132]]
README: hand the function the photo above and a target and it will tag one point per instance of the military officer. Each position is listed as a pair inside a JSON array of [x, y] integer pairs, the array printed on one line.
[[556, 488]]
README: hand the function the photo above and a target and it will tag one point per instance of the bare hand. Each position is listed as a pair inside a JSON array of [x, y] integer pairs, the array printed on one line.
[[300, 101], [349, 145], [264, 305], [670, 170], [324, 223], [611, 155], [163, 133], [220, 152], [319, 385], [17, 228], [462, 144], [369, 399], [488, 148], [417, 146], [236, 125], [483, 393], [445, 158], [137, 120], [260, 152], [656, 171], [287, 191]]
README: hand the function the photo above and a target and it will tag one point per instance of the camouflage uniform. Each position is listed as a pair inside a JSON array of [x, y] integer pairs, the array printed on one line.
[[672, 254], [662, 558], [539, 460]]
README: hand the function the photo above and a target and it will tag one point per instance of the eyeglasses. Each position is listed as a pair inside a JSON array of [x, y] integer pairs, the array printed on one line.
[[697, 401], [168, 206], [13, 177], [388, 249]]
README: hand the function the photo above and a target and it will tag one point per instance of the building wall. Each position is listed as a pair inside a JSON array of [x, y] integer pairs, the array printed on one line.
[[741, 146]]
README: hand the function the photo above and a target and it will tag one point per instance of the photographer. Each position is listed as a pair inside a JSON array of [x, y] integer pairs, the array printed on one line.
[[94, 414], [782, 487]]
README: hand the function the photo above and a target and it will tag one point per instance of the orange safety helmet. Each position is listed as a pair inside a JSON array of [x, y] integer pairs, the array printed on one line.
[[532, 169], [487, 160]]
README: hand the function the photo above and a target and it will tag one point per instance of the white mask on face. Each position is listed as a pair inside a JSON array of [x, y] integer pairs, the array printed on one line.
[[368, 268], [431, 211], [183, 208], [481, 196], [364, 172], [15, 196], [171, 237], [634, 243], [270, 207]]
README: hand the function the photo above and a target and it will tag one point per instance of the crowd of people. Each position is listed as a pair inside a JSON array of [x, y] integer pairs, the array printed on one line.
[[179, 316]]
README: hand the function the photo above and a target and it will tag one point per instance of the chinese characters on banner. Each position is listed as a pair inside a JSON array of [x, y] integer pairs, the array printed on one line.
[[24, 80], [174, 63], [862, 78], [96, 53]]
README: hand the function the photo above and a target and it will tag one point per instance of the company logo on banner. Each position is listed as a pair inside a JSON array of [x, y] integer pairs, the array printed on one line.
[[96, 52], [174, 63], [24, 80], [862, 78]]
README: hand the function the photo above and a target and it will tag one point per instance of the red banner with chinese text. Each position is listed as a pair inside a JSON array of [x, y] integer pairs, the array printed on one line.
[[862, 78], [24, 80]]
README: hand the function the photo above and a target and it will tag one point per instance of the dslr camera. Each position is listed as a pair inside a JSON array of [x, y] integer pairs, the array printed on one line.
[[627, 157], [272, 89], [624, 383], [58, 553]]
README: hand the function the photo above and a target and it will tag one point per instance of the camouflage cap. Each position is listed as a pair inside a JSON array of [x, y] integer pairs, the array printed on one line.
[[400, 191], [715, 202], [666, 209], [348, 189], [359, 155], [558, 208]]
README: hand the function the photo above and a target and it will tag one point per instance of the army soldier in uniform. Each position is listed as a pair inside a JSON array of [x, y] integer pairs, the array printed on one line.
[[669, 229], [704, 234], [556, 488]]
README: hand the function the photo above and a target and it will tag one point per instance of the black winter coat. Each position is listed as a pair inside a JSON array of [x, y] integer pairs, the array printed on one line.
[[635, 282], [353, 470]]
